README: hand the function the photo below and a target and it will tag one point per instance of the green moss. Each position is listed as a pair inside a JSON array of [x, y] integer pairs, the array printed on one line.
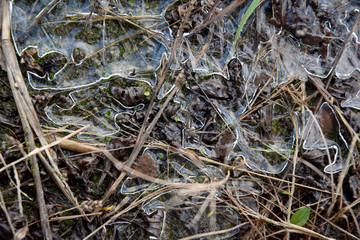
[[66, 225], [107, 139], [277, 129], [29, 210], [131, 51], [92, 35], [113, 29], [62, 29], [109, 114]]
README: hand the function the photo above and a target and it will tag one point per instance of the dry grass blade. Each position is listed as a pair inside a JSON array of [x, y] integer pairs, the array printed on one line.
[[53, 219], [4, 209], [42, 13], [184, 188], [191, 155], [28, 114], [21, 233], [31, 123], [345, 45], [39, 150], [150, 161], [289, 226], [143, 135], [295, 160], [222, 13], [208, 234], [13, 71], [339, 188], [340, 54]]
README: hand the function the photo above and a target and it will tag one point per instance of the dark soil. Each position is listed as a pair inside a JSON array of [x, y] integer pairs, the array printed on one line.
[[251, 113]]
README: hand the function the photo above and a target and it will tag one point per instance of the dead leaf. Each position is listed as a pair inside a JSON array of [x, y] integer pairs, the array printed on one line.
[[21, 233], [146, 165], [27, 57]]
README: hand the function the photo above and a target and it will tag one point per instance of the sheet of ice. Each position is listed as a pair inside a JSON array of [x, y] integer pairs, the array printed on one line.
[[94, 106], [111, 47], [352, 101], [322, 131]]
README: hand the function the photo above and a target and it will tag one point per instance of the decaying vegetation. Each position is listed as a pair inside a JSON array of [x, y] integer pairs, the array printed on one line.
[[229, 133]]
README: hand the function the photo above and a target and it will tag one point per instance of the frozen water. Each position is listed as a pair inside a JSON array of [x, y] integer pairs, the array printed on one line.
[[323, 132], [110, 47], [352, 101]]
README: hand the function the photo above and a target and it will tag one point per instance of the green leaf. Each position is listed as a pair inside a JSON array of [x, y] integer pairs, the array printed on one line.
[[211, 213], [243, 20], [300, 217], [147, 93]]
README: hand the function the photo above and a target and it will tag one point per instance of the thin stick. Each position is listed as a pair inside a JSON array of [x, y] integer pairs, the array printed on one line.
[[39, 150]]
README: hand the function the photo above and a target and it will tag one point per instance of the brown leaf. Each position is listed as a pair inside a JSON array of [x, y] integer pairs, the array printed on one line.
[[146, 165], [21, 233], [28, 59]]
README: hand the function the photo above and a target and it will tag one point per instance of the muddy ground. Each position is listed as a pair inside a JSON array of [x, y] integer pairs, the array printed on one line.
[[261, 128]]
